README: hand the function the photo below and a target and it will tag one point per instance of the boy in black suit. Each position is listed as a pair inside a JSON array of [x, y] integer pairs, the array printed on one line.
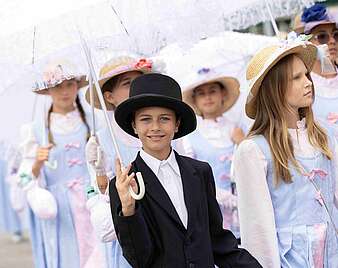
[[178, 222]]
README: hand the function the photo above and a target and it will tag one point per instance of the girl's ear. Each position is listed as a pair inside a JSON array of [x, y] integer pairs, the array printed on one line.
[[109, 97]]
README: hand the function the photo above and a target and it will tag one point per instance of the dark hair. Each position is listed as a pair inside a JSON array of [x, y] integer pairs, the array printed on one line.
[[82, 115], [111, 83]]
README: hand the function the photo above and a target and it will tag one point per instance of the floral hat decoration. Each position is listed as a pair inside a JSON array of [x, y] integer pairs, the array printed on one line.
[[117, 66], [316, 15], [55, 73], [265, 59], [206, 75]]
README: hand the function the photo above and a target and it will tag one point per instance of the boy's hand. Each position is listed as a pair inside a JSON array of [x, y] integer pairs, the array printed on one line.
[[237, 135], [123, 182]]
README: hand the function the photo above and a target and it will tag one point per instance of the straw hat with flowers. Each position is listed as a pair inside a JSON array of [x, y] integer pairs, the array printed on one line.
[[55, 73], [265, 59], [115, 67], [211, 75]]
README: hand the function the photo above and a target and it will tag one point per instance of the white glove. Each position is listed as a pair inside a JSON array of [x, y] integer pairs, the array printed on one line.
[[226, 199], [95, 156], [41, 201], [100, 217]]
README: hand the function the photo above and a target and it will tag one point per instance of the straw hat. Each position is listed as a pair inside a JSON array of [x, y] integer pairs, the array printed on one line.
[[268, 57], [55, 73], [206, 76], [114, 67]]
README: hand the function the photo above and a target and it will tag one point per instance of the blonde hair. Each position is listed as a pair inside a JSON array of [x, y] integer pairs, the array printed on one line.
[[270, 120]]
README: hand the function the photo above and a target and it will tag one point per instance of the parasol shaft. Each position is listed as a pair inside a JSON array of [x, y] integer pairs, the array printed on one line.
[[100, 96]]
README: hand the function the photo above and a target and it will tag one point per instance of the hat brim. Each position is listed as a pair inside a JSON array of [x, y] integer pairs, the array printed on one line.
[[308, 27], [81, 81], [125, 111], [308, 54], [230, 84], [102, 81]]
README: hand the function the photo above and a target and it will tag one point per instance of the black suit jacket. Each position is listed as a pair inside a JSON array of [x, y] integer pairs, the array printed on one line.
[[155, 236]]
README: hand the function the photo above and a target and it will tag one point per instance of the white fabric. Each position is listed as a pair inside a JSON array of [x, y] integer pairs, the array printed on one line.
[[16, 195], [95, 156], [256, 216], [41, 201], [218, 132], [100, 217], [65, 124], [168, 173], [325, 87]]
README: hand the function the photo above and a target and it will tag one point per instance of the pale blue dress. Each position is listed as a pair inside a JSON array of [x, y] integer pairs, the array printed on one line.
[[305, 235]]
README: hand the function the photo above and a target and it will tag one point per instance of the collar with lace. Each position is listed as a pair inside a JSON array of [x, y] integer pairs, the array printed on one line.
[[72, 114], [154, 164]]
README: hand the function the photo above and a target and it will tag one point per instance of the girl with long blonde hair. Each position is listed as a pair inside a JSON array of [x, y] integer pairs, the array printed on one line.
[[286, 168]]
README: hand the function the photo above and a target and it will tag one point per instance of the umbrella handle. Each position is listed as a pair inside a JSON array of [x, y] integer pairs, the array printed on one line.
[[52, 165], [99, 157], [142, 189]]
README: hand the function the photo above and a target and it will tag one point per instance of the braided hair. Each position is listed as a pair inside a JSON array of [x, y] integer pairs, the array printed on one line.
[[82, 115]]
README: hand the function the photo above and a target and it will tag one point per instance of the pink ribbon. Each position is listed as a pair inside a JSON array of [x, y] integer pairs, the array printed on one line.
[[316, 172], [75, 145], [74, 161], [224, 177], [222, 158], [332, 118], [74, 183]]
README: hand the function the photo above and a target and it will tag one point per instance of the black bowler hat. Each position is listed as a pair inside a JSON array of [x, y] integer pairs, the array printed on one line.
[[159, 90]]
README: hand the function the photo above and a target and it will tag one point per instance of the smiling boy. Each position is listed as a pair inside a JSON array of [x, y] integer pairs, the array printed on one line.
[[178, 222]]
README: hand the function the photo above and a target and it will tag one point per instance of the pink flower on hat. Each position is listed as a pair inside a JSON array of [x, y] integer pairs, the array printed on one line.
[[55, 75], [143, 63]]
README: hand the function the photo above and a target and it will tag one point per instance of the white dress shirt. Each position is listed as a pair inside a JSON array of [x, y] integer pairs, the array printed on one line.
[[168, 173]]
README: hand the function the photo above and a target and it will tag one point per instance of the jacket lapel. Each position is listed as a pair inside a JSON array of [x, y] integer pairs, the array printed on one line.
[[155, 189], [191, 188]]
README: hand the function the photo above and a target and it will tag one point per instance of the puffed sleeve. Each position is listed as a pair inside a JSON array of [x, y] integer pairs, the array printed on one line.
[[187, 148], [256, 216], [28, 148]]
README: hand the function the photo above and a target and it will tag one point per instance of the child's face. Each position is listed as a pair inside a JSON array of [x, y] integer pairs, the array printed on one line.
[[326, 34], [209, 99], [120, 92], [155, 127], [64, 94], [300, 91]]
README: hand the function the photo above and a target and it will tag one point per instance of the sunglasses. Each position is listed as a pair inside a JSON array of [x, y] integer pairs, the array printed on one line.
[[324, 37]]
